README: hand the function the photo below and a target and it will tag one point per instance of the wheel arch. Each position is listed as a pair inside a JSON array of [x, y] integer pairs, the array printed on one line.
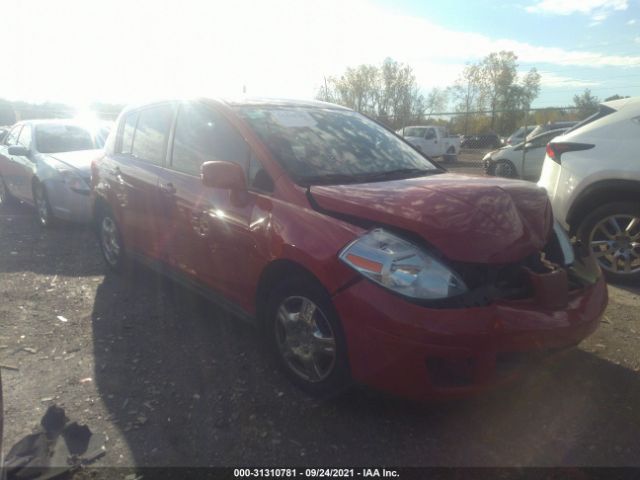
[[272, 274], [599, 193]]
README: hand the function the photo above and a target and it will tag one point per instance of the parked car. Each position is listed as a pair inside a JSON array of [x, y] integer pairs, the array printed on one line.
[[485, 140], [518, 136], [433, 141], [509, 162], [360, 259], [47, 164], [540, 129], [592, 176]]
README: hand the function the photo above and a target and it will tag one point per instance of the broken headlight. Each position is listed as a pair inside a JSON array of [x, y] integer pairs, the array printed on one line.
[[402, 267]]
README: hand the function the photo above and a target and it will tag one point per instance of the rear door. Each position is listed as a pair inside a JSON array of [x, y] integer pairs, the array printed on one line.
[[133, 175]]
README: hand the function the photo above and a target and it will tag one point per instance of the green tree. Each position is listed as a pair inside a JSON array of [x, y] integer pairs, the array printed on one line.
[[388, 92], [586, 104], [467, 94], [436, 101]]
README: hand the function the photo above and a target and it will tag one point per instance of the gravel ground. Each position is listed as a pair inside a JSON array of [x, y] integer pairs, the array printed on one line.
[[172, 380]]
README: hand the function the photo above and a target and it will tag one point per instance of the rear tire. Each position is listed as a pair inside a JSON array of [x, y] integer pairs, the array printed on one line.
[[305, 335], [110, 239], [612, 233], [450, 156]]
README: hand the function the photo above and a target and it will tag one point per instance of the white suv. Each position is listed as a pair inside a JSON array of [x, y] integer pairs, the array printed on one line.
[[592, 175]]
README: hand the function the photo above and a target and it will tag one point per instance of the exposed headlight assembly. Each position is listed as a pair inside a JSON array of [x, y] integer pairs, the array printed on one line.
[[401, 266], [75, 182]]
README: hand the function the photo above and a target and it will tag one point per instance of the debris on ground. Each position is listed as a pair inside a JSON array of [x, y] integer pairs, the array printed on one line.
[[56, 447]]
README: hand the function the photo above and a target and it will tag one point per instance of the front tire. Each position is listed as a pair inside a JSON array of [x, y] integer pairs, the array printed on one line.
[[110, 240], [506, 169], [5, 196], [44, 213], [612, 233], [306, 337]]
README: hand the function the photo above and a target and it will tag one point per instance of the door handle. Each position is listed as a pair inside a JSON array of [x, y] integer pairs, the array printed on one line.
[[168, 188]]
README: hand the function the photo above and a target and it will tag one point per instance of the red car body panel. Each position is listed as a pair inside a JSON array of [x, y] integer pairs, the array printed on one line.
[[227, 240], [468, 219], [390, 340]]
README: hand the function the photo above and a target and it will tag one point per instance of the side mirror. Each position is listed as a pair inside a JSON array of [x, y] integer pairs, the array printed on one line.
[[18, 151], [225, 175]]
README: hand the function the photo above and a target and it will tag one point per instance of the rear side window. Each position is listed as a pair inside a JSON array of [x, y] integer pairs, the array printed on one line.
[[128, 129], [150, 139], [202, 135]]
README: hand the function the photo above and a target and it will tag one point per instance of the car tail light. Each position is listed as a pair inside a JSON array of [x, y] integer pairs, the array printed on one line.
[[555, 150]]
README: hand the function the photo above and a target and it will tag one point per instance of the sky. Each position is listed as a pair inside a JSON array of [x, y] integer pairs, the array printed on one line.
[[125, 51]]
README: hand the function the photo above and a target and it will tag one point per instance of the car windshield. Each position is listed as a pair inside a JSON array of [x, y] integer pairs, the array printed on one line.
[[58, 138], [414, 132], [330, 146]]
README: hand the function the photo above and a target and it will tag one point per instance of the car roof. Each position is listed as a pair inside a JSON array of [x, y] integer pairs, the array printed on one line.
[[279, 102], [623, 103], [59, 121]]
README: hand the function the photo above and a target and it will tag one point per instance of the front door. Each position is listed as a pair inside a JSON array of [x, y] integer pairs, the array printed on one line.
[[431, 147], [210, 233]]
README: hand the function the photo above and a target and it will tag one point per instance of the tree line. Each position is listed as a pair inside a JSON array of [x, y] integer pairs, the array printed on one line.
[[489, 95]]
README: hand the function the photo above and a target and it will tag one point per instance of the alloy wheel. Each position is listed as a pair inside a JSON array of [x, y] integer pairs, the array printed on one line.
[[615, 242], [305, 339]]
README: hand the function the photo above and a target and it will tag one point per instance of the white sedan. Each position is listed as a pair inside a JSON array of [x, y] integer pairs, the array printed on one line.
[[510, 162]]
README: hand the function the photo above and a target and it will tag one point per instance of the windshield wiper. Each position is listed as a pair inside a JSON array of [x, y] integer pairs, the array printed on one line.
[[346, 178], [401, 173], [330, 179]]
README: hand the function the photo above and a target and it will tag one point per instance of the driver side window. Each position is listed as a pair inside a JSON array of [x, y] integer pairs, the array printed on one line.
[[12, 136], [203, 134], [25, 137]]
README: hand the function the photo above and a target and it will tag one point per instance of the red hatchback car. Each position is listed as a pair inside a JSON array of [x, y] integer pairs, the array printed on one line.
[[361, 259]]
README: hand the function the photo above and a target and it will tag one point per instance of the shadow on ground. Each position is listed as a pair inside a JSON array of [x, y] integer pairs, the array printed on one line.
[[67, 249], [190, 385]]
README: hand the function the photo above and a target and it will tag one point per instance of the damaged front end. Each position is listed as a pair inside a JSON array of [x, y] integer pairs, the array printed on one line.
[[547, 276]]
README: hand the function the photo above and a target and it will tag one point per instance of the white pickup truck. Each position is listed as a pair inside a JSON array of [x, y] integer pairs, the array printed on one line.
[[433, 141]]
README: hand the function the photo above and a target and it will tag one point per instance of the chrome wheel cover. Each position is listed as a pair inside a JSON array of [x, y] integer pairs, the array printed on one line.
[[305, 339], [109, 240], [615, 242]]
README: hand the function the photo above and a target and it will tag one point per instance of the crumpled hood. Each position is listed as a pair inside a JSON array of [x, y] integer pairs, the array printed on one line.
[[467, 218], [80, 160]]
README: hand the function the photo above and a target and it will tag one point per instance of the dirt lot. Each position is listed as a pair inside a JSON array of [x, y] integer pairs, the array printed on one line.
[[174, 381]]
